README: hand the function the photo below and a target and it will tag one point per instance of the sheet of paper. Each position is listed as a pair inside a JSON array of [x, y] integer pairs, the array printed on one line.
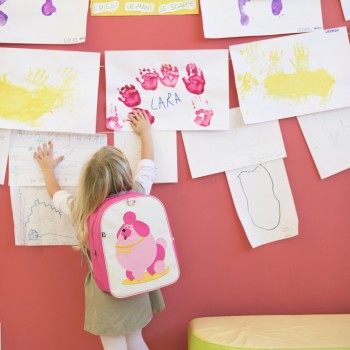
[[43, 22], [264, 202], [180, 90], [48, 90], [76, 149], [4, 153], [37, 221], [292, 75], [143, 7], [345, 4], [238, 18], [165, 152], [210, 152], [328, 137]]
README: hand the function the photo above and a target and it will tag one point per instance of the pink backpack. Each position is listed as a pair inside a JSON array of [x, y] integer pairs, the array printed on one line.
[[132, 249]]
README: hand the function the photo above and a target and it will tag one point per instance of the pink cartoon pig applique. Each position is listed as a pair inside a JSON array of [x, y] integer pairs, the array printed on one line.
[[138, 252]]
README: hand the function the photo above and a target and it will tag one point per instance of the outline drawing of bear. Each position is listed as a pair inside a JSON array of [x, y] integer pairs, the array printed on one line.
[[138, 252]]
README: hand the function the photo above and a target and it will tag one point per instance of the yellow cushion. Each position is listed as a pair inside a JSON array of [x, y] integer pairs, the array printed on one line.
[[270, 332]]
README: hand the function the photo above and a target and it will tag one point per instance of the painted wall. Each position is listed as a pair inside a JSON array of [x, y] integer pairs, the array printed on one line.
[[41, 288]]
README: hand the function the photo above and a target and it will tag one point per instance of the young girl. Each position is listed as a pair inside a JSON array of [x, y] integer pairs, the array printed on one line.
[[118, 322]]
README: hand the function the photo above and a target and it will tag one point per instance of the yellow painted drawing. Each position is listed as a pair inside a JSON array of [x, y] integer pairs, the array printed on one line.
[[147, 277], [300, 82], [37, 95], [143, 7]]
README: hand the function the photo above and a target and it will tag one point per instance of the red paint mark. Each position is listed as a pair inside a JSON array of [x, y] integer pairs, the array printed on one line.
[[195, 81], [129, 96], [170, 75], [150, 79]]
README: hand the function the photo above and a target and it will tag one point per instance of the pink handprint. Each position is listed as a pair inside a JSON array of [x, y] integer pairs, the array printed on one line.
[[112, 121], [202, 111], [170, 75], [48, 8], [150, 117], [195, 81], [129, 96], [150, 79]]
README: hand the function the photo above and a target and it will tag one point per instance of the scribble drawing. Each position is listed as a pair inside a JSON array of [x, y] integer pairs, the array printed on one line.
[[267, 71], [276, 8], [48, 8], [3, 16], [203, 113], [35, 97], [40, 205], [53, 221], [263, 206]]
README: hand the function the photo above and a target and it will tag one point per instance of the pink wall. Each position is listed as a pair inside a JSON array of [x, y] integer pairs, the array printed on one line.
[[41, 289]]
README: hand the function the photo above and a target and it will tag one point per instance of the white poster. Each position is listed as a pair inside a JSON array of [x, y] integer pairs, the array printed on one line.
[[165, 152], [37, 221], [75, 148], [43, 21], [211, 152], [48, 90], [345, 4], [328, 137], [238, 18], [4, 153], [292, 75], [179, 90], [264, 202]]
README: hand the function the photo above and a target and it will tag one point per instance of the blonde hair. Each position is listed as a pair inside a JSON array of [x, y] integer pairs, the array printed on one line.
[[107, 172]]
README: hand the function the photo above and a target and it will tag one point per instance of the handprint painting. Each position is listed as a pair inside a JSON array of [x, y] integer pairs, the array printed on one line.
[[292, 75], [179, 90], [43, 21], [48, 90]]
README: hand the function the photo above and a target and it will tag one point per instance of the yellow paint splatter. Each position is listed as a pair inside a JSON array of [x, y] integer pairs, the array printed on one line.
[[29, 101], [302, 83], [247, 81]]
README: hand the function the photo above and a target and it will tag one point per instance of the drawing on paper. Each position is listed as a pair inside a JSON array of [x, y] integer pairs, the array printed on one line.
[[48, 8], [257, 206], [276, 8], [48, 233], [39, 94], [3, 15], [303, 82], [148, 78]]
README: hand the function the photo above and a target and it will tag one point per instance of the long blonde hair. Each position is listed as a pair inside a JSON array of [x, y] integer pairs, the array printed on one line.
[[107, 172]]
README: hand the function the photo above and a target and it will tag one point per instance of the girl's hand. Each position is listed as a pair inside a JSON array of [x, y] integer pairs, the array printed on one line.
[[139, 122], [43, 156]]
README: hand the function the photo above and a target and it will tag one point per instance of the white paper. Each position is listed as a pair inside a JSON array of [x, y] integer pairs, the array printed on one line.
[[37, 221], [238, 18], [211, 152], [43, 21], [292, 75], [76, 149], [345, 4], [328, 137], [4, 152], [165, 152], [48, 90], [264, 202], [181, 90]]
